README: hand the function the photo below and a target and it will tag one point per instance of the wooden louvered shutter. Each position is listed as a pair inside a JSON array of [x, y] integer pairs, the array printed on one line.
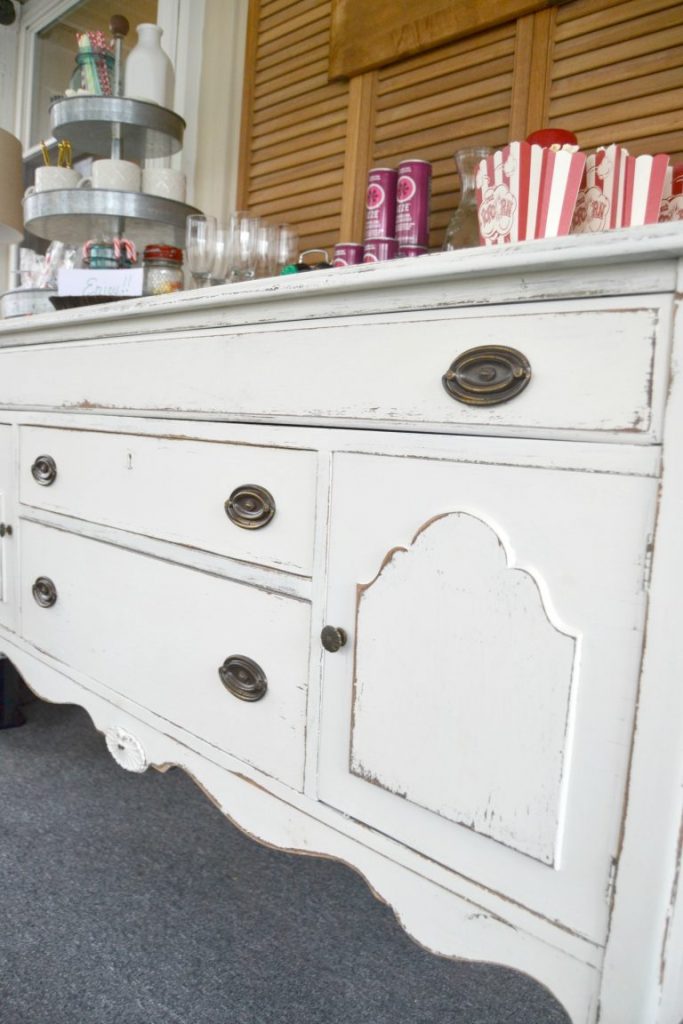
[[617, 74], [611, 70], [428, 106], [292, 162]]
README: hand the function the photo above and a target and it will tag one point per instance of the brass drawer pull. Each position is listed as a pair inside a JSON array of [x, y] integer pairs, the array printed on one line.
[[44, 470], [5, 530], [250, 507], [243, 677], [332, 638], [487, 375], [44, 592]]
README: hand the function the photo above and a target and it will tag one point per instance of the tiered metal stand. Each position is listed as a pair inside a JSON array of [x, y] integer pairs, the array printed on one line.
[[117, 127]]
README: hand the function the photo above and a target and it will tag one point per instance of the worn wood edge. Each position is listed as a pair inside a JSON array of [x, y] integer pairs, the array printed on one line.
[[457, 927], [575, 456], [637, 965]]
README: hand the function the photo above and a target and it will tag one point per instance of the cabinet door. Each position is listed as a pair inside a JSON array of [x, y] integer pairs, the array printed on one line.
[[482, 709], [7, 541]]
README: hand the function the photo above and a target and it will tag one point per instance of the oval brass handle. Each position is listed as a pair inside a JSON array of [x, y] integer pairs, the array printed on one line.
[[250, 507], [332, 638], [243, 677], [44, 470], [487, 375], [44, 592]]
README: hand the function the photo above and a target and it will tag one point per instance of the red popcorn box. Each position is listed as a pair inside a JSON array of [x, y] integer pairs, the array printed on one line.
[[508, 184], [527, 191], [672, 200], [561, 176], [600, 202], [643, 189]]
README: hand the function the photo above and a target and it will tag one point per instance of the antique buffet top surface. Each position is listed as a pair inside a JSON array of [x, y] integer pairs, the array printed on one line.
[[538, 270]]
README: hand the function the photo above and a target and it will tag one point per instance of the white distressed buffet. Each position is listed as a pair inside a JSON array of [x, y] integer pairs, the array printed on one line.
[[389, 560]]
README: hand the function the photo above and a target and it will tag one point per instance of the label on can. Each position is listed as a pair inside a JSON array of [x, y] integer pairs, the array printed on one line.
[[413, 194], [378, 249], [347, 254], [380, 203], [412, 250]]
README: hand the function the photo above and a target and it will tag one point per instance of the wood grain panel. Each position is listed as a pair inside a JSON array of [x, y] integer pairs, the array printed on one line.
[[617, 73], [372, 35], [432, 104], [298, 122]]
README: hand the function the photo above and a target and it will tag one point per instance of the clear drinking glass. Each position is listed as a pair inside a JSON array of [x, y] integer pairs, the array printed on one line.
[[245, 229], [287, 246], [463, 228], [200, 247], [266, 249], [223, 259]]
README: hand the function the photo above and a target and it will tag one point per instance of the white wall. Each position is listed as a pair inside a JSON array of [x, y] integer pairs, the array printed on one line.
[[220, 105]]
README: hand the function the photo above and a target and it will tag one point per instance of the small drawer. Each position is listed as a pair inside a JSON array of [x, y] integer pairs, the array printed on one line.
[[161, 635], [243, 501]]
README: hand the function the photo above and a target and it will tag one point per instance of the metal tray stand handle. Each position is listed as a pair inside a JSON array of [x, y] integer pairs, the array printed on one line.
[[487, 375]]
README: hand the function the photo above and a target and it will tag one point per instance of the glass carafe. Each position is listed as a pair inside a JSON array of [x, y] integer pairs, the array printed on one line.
[[463, 228]]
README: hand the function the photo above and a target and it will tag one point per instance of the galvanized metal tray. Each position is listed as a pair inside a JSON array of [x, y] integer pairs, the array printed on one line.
[[89, 123], [75, 215]]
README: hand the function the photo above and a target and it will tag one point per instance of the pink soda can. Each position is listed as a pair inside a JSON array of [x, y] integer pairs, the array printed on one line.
[[378, 249], [346, 254], [380, 203], [412, 250], [413, 193]]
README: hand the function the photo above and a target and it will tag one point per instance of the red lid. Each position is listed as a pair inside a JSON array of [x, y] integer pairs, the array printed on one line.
[[552, 137], [163, 252]]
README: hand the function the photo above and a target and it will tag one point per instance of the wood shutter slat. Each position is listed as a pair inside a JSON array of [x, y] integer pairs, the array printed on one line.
[[625, 50], [633, 90], [299, 65], [638, 68], [603, 17], [460, 97], [461, 79]]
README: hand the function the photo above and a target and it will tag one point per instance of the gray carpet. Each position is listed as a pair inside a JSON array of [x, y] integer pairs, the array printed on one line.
[[128, 899]]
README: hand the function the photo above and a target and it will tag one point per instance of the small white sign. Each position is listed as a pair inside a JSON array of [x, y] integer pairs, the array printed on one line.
[[100, 282]]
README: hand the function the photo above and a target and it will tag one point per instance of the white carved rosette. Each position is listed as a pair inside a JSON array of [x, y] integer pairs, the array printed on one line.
[[126, 750]]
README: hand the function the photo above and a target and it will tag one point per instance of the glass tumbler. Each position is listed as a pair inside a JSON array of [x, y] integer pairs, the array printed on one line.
[[200, 247], [463, 228], [287, 246], [266, 249], [245, 234]]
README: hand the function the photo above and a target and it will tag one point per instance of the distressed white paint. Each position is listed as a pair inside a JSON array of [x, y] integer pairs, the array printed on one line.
[[381, 372], [176, 489], [152, 599], [8, 543], [462, 686], [176, 628], [558, 527]]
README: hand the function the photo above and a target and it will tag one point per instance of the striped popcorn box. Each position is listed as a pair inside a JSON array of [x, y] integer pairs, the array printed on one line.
[[643, 188], [508, 185], [600, 202], [672, 200], [561, 176]]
